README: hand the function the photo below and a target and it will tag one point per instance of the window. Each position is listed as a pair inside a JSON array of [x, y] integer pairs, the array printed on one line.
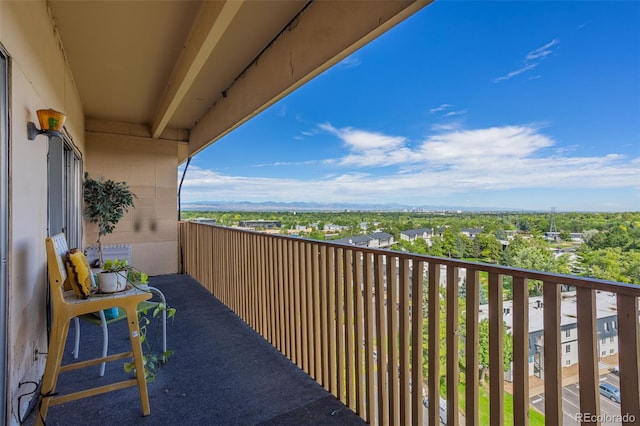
[[65, 190], [604, 353], [611, 339], [611, 351], [567, 333], [613, 325], [568, 348], [606, 326], [603, 340], [567, 362]]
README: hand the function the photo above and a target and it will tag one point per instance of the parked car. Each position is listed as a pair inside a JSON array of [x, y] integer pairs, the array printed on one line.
[[615, 370], [610, 391], [443, 408]]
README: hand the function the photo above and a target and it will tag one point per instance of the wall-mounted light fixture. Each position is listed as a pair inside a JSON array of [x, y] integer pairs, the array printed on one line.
[[51, 123]]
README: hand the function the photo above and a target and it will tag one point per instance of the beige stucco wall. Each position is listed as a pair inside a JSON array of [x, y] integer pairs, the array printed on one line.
[[150, 168], [39, 78]]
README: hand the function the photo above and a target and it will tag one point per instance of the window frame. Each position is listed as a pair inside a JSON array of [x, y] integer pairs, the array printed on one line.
[[4, 223]]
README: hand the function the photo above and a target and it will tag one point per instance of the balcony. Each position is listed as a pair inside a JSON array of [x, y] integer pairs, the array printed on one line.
[[222, 372], [333, 311]]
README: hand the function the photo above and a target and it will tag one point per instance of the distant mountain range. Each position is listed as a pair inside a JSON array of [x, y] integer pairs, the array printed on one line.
[[325, 207]]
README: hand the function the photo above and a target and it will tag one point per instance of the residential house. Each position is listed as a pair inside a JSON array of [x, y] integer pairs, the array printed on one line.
[[375, 240], [260, 224], [471, 232], [381, 240], [412, 235]]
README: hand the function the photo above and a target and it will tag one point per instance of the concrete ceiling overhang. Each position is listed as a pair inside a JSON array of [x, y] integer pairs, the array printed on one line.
[[205, 67]]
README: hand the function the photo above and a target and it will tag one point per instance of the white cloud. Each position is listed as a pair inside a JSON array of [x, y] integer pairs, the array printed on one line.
[[439, 108], [361, 140], [446, 127], [350, 62], [541, 52], [465, 147], [473, 161], [531, 60], [516, 72], [454, 113]]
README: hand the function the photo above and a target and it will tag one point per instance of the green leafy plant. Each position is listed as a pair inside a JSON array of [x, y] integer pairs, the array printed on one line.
[[135, 276], [105, 203], [115, 265], [151, 360]]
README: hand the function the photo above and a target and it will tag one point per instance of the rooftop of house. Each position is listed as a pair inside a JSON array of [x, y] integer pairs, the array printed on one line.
[[605, 307]]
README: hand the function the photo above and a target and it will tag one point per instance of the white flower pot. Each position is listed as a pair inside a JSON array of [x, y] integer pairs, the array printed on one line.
[[111, 282]]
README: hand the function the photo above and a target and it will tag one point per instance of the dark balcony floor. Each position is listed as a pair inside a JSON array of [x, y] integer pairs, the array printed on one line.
[[222, 373]]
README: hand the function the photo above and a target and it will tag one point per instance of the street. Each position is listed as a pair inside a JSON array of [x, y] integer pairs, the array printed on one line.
[[609, 410]]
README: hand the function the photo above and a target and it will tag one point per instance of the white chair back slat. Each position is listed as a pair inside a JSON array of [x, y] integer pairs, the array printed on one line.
[[60, 245]]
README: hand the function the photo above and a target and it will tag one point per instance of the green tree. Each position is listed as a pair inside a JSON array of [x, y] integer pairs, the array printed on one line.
[[597, 241], [611, 264], [420, 246], [538, 257], [618, 237], [316, 235], [437, 247], [489, 247], [450, 243], [483, 347]]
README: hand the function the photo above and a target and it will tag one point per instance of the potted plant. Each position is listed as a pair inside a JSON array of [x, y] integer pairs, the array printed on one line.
[[113, 276], [105, 203]]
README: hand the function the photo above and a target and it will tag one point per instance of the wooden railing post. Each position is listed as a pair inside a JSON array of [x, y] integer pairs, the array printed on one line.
[[433, 361], [588, 351], [496, 351], [471, 347], [552, 355], [520, 351], [452, 339], [629, 357]]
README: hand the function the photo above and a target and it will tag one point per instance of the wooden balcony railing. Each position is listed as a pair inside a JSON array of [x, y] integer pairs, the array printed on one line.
[[354, 319]]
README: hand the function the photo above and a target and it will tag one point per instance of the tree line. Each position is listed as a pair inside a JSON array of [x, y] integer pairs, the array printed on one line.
[[610, 251]]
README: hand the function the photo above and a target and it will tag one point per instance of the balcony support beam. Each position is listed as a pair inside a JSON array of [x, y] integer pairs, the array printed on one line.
[[211, 24]]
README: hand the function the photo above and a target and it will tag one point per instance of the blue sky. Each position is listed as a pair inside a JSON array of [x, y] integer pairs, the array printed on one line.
[[524, 105]]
